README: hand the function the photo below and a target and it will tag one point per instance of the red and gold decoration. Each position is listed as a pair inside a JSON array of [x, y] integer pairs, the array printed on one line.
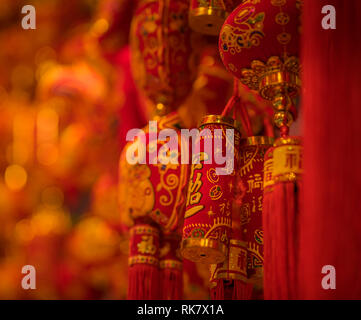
[[259, 44], [251, 177], [283, 171], [144, 262], [207, 16], [228, 280], [208, 215], [101, 215], [154, 193], [163, 59]]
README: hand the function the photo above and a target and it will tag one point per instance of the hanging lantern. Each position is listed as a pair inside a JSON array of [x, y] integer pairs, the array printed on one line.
[[208, 216], [259, 44], [252, 155], [171, 267], [154, 193], [154, 190], [163, 60]]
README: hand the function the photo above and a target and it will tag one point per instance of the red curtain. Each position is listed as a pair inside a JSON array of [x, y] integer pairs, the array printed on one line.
[[330, 224]]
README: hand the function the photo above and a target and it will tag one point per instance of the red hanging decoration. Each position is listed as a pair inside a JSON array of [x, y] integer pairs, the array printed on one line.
[[251, 176], [143, 269], [281, 210], [208, 217]]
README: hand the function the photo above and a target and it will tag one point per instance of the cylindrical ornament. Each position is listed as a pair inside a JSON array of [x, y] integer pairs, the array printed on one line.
[[144, 245], [208, 216], [207, 16], [287, 160], [143, 272], [234, 267], [253, 150]]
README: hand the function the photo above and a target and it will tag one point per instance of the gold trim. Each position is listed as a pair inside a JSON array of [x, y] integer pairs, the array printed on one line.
[[273, 79], [257, 140], [217, 119], [287, 177], [296, 141], [170, 264], [237, 242], [229, 275], [144, 229], [208, 251], [140, 259], [207, 20]]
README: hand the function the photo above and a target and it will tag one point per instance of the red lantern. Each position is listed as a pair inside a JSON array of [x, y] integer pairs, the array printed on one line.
[[163, 60], [208, 216], [259, 44], [153, 195], [155, 191], [253, 151]]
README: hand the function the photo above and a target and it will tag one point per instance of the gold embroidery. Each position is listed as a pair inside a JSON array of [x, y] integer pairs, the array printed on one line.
[[248, 34]]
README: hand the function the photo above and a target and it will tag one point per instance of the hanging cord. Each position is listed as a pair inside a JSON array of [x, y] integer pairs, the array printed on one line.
[[239, 108]]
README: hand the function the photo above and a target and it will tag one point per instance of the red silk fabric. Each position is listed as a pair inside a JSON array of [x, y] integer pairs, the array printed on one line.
[[330, 225]]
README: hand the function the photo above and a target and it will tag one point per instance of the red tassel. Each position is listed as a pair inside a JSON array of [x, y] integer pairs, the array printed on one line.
[[281, 209], [143, 282], [242, 290], [231, 290], [172, 284]]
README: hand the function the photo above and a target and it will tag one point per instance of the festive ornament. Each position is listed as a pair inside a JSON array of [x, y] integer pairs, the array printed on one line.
[[259, 44], [154, 190], [171, 267], [163, 60], [228, 280], [252, 154], [281, 207], [154, 193], [143, 262], [208, 216], [207, 16]]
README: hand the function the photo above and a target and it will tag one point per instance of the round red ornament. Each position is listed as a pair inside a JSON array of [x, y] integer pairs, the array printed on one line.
[[259, 44]]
